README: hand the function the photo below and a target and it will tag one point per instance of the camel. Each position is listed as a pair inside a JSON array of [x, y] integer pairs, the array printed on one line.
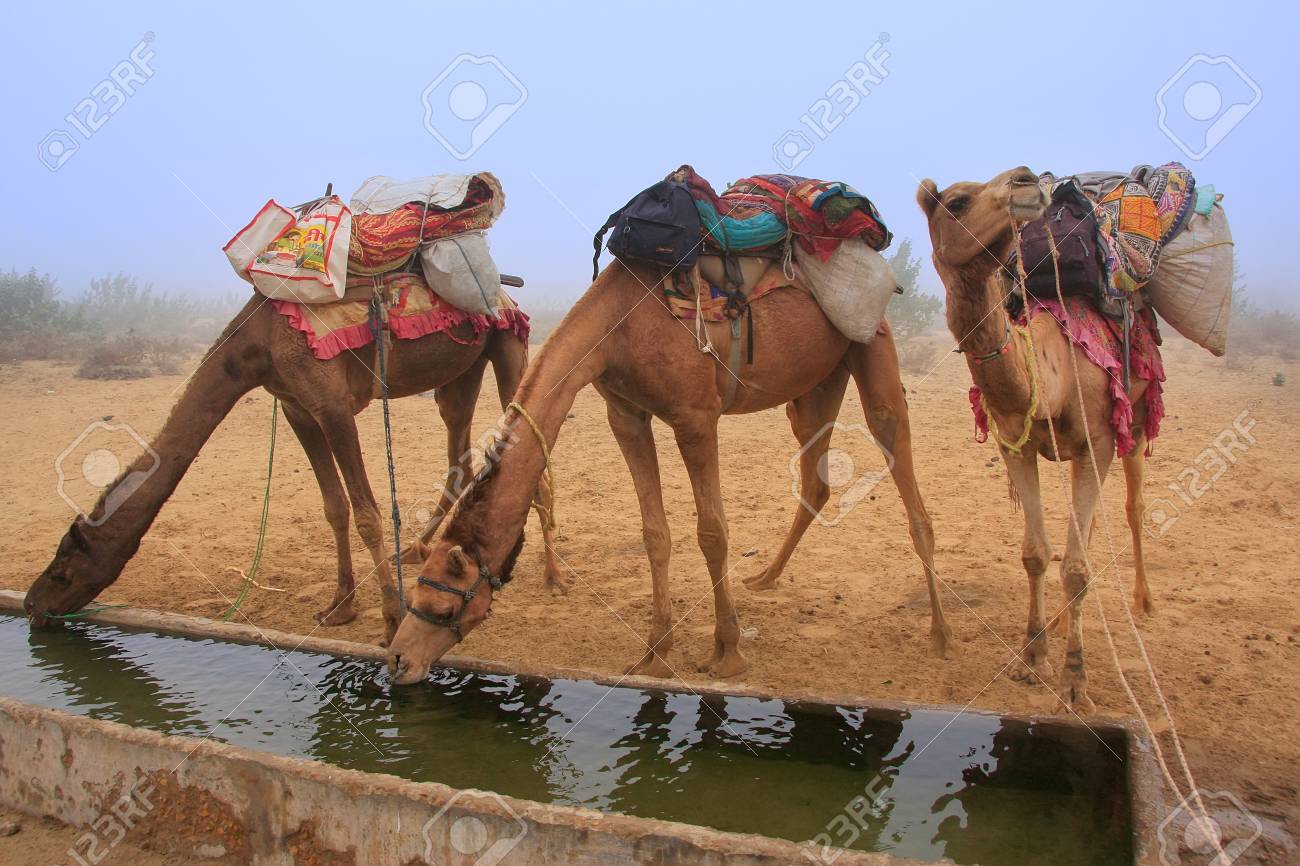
[[319, 399], [973, 231], [644, 362]]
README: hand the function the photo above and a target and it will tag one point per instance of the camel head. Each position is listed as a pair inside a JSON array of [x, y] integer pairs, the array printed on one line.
[[453, 595], [79, 572], [971, 223]]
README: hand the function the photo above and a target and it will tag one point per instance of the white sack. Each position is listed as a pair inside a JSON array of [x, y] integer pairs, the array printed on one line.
[[308, 261], [1192, 286], [460, 270], [853, 287]]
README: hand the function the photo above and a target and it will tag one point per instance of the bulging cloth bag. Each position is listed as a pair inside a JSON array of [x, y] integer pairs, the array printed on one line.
[[853, 286], [297, 255], [460, 270], [1192, 286]]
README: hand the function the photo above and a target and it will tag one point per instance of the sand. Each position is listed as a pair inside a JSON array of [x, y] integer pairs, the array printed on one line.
[[851, 613]]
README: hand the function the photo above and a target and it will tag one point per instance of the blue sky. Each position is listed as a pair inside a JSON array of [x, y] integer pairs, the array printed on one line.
[[246, 102]]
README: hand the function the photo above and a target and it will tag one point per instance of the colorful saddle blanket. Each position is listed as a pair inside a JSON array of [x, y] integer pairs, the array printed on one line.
[[382, 242], [759, 211], [414, 311], [711, 304], [1102, 343]]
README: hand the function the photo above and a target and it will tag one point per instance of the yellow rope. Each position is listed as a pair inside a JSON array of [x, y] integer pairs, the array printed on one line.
[[546, 515], [1030, 366]]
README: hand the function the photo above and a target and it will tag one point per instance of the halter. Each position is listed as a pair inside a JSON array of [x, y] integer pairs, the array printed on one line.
[[453, 622], [995, 354]]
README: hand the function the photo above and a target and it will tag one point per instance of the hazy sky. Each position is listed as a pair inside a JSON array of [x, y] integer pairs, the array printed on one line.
[[584, 104]]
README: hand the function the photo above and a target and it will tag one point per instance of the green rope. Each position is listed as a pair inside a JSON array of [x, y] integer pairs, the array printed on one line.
[[261, 529], [87, 611]]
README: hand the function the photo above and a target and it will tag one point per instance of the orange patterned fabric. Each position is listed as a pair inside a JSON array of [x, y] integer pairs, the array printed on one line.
[[384, 242], [713, 301]]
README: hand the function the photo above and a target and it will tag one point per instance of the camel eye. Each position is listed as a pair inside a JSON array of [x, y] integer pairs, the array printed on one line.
[[956, 204]]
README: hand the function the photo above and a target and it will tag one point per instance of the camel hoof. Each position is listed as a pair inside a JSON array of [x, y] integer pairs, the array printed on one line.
[[1077, 701], [724, 663], [1034, 674], [1143, 606], [556, 586], [761, 582], [942, 644], [649, 666], [341, 614]]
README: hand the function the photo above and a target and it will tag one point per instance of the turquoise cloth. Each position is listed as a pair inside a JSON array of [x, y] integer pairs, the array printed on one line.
[[1205, 197], [760, 230]]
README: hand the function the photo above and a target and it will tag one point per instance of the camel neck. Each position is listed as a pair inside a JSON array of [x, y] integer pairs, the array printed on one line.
[[129, 505], [979, 322], [571, 359]]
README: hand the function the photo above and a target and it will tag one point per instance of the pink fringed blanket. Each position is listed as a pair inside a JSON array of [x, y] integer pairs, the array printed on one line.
[[1102, 342], [415, 312]]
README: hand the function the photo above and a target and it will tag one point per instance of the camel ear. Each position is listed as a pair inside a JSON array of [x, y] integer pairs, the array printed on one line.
[[457, 560], [927, 196]]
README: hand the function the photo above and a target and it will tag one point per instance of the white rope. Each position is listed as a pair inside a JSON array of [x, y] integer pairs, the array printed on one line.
[[1194, 792]]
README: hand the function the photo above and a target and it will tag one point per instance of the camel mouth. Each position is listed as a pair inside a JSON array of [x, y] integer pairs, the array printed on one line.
[[1027, 208]]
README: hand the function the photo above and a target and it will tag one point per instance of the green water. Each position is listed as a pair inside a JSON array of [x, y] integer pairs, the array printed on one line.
[[972, 787]]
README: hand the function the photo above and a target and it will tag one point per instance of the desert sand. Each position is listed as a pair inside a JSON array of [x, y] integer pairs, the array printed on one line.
[[851, 613]]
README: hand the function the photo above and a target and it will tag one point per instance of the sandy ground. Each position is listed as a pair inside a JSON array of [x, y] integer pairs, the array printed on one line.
[[851, 614]]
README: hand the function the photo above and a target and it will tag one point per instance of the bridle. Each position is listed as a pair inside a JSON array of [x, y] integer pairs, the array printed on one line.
[[452, 622]]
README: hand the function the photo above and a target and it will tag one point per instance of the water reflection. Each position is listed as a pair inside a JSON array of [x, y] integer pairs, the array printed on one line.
[[921, 784]]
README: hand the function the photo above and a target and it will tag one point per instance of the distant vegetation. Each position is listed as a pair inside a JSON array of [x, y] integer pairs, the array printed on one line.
[[117, 329]]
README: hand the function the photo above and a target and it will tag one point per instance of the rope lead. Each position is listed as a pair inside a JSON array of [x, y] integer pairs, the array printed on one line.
[[261, 527]]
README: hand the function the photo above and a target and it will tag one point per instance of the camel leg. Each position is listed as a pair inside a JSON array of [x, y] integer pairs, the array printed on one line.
[[880, 387], [509, 356], [811, 419], [631, 426], [1134, 505], [1035, 554], [343, 608], [1084, 494], [697, 440], [341, 433]]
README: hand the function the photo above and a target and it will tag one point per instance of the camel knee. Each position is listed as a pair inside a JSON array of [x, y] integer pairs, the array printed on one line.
[[370, 527], [658, 541], [884, 423], [1074, 577], [921, 530], [713, 539], [817, 492], [1035, 562], [337, 513]]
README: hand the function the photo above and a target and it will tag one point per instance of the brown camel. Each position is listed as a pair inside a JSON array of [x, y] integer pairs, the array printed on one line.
[[972, 232], [319, 399], [644, 362]]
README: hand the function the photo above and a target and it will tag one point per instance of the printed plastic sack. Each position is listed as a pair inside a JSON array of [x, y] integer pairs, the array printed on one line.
[[293, 257], [1192, 287], [460, 270], [853, 286]]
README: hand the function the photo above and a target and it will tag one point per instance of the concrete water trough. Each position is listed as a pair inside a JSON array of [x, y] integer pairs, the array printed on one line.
[[202, 797]]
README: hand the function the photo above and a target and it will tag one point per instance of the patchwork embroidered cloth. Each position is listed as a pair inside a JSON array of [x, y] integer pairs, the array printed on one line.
[[758, 211], [713, 300], [1173, 189], [415, 311], [382, 242], [1130, 226], [1102, 343]]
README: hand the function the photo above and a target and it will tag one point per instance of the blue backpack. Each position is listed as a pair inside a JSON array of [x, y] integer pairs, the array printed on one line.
[[660, 225]]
